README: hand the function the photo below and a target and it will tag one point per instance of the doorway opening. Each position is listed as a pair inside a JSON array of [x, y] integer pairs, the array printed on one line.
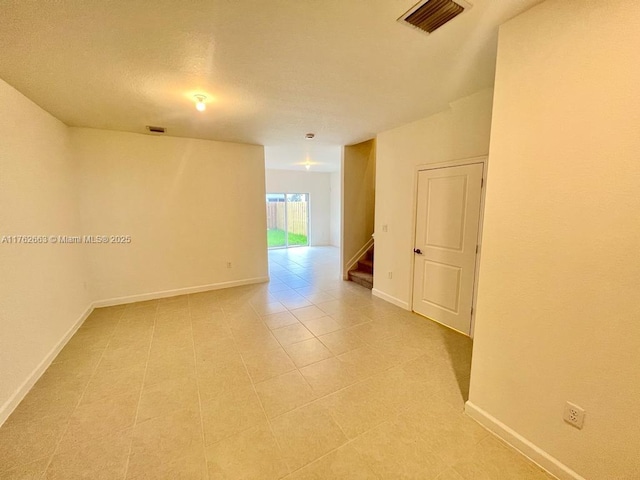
[[287, 220]]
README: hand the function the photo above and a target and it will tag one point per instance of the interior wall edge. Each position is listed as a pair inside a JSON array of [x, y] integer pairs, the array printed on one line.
[[388, 298], [12, 403], [458, 133], [14, 400], [357, 257], [178, 291], [530, 450]]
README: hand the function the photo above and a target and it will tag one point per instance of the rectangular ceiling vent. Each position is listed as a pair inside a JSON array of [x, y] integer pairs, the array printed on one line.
[[430, 15], [156, 129]]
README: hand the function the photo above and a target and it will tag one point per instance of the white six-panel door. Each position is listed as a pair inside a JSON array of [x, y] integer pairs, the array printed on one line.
[[448, 212]]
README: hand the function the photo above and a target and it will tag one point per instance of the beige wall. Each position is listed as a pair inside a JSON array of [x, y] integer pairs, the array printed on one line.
[[317, 185], [42, 286], [335, 210], [460, 132], [358, 197], [190, 207], [558, 313]]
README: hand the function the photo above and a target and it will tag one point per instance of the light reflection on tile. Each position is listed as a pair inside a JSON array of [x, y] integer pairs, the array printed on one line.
[[307, 377]]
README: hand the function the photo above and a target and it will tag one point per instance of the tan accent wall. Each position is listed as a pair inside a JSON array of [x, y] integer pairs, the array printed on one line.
[[358, 197]]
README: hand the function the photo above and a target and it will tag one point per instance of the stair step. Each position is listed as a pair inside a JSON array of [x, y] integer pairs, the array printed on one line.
[[362, 278], [365, 265]]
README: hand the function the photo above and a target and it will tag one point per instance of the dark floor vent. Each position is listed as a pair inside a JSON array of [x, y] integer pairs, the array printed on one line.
[[156, 129], [432, 14]]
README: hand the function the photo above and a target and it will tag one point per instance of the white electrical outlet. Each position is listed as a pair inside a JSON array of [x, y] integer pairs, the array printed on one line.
[[228, 264], [390, 275], [385, 228], [574, 415]]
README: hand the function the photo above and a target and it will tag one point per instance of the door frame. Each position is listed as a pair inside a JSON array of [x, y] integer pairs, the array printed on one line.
[[286, 220], [436, 166]]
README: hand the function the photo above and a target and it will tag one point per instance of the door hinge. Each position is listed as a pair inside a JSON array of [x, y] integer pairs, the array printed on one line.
[[477, 248], [481, 182], [472, 311]]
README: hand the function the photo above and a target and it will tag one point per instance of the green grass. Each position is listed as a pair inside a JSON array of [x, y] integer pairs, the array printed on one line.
[[275, 238]]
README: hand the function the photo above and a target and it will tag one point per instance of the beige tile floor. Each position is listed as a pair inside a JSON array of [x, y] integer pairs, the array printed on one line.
[[307, 377]]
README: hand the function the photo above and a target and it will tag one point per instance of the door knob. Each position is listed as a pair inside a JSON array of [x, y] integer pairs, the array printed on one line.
[[418, 251]]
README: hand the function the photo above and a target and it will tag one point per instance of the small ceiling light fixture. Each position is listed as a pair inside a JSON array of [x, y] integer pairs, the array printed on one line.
[[200, 105], [307, 166], [309, 136]]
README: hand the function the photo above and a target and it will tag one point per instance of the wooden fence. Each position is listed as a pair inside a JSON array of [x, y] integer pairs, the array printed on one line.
[[297, 216]]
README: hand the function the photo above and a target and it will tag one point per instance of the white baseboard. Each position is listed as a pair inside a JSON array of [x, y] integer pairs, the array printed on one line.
[[524, 446], [352, 262], [10, 405], [388, 298], [178, 291]]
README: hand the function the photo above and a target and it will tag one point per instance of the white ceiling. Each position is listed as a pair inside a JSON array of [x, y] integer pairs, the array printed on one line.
[[320, 158], [272, 70]]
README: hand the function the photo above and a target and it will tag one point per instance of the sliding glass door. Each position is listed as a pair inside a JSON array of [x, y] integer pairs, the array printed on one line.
[[287, 220]]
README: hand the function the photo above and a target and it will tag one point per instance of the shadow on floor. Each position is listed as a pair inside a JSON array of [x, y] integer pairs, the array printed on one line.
[[458, 347]]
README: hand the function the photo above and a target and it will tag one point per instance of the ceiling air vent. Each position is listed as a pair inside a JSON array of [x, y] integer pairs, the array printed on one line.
[[430, 15], [156, 129]]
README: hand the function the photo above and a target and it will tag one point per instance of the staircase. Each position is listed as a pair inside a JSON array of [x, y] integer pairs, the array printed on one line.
[[363, 272]]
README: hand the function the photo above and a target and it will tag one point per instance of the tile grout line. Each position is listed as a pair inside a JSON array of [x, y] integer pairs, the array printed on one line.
[[144, 377], [55, 450], [316, 337], [349, 441], [304, 378], [352, 440], [314, 401], [242, 300], [195, 359], [253, 386], [289, 356]]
